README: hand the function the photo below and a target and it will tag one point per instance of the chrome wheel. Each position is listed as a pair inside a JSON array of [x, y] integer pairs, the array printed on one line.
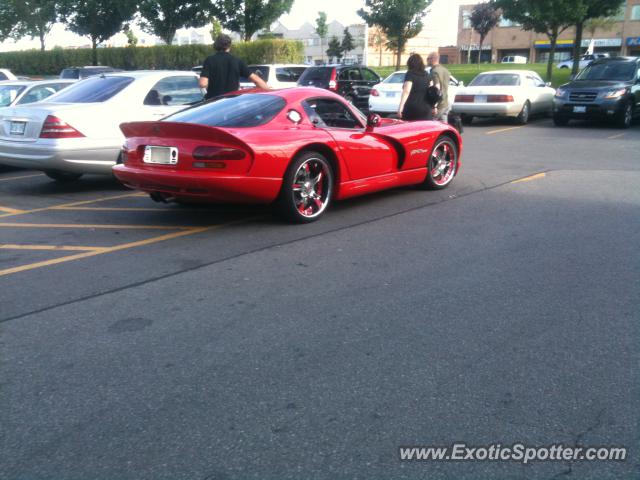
[[628, 116], [311, 186], [444, 162]]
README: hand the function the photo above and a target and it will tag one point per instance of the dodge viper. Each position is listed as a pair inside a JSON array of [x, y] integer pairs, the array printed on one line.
[[298, 148]]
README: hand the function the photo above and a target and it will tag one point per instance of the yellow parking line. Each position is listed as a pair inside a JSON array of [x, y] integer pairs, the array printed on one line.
[[82, 225], [615, 136], [10, 210], [129, 209], [530, 178], [62, 248], [493, 132], [6, 179]]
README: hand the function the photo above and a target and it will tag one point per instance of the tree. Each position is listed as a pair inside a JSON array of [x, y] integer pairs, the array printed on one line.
[[347, 42], [483, 18], [595, 13], [132, 40], [246, 17], [97, 19], [33, 18], [335, 49], [399, 20], [378, 40], [551, 17], [163, 17], [216, 28], [322, 29]]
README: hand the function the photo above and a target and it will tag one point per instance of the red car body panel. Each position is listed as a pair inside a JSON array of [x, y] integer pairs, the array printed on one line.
[[393, 154]]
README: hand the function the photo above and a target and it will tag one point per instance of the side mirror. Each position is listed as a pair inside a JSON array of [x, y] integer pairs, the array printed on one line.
[[548, 84], [373, 120]]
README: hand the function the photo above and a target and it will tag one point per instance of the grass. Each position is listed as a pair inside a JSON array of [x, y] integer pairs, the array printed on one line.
[[466, 72]]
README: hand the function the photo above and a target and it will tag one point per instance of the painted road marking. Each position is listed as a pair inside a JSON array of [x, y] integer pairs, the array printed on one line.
[[97, 226], [6, 179], [61, 248], [131, 209], [613, 137], [530, 178], [493, 132], [14, 211]]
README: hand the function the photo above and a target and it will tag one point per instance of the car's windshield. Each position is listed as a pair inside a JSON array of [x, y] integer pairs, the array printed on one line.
[[249, 110], [315, 74], [496, 79], [615, 71], [8, 93], [92, 90], [397, 77]]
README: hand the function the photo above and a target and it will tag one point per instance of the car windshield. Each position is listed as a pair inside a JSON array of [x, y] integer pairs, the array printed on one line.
[[318, 74], [397, 77], [8, 93], [496, 79], [92, 90], [614, 71], [249, 110]]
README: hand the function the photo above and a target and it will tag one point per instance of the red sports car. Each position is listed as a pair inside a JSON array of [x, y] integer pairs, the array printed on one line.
[[301, 148]]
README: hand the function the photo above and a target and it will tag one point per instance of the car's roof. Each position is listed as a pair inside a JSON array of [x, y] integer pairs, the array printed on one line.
[[148, 73], [34, 83], [616, 59], [279, 65], [510, 72]]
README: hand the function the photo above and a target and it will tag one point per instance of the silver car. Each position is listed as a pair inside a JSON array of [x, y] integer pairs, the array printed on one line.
[[76, 131], [22, 92]]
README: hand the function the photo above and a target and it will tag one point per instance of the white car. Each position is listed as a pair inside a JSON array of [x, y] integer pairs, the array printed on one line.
[[77, 130], [385, 96], [514, 59], [276, 75], [504, 93], [6, 74], [585, 60], [22, 92]]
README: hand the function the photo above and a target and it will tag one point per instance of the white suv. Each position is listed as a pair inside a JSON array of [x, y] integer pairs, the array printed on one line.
[[514, 59], [585, 60], [276, 75]]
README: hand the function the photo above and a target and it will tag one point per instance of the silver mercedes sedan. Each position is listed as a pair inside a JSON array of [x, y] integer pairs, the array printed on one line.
[[76, 130]]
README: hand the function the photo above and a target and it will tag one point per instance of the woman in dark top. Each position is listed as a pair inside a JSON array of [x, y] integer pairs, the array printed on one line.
[[413, 105]]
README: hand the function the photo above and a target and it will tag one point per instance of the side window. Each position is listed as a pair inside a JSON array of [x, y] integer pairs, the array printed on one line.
[[354, 74], [37, 94], [331, 113], [369, 76], [182, 90], [3, 76]]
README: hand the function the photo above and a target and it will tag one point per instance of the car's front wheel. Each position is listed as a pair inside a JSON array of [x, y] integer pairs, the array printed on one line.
[[307, 188], [62, 177], [625, 117], [443, 164]]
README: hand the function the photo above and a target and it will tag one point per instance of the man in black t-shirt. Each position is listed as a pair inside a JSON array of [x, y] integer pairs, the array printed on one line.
[[221, 72]]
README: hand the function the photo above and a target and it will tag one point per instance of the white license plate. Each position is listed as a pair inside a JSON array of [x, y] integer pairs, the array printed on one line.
[[17, 128], [391, 94], [481, 99], [579, 109], [160, 155]]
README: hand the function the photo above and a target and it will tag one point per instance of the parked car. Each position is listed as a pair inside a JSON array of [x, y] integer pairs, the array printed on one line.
[[6, 74], [608, 89], [504, 93], [76, 130], [24, 92], [79, 73], [353, 82], [242, 148], [585, 60], [385, 96], [514, 59], [276, 75], [197, 69]]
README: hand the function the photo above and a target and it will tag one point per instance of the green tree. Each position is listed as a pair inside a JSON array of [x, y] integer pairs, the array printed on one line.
[[335, 49], [32, 18], [484, 18], [551, 17], [97, 19], [399, 20], [596, 14], [347, 42], [246, 17], [132, 40], [322, 29], [378, 40], [216, 28], [163, 17]]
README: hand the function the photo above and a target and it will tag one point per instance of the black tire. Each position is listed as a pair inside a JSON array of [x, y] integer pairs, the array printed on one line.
[[560, 121], [307, 188], [525, 113], [625, 117], [62, 177], [466, 119], [443, 164]]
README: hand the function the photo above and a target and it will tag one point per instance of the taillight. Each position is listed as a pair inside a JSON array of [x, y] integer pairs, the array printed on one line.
[[333, 85], [55, 128], [464, 99], [499, 98], [218, 153], [374, 93]]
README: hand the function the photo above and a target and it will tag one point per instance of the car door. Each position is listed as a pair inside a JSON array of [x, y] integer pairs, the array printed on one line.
[[365, 155], [369, 80], [635, 90], [348, 79], [171, 94]]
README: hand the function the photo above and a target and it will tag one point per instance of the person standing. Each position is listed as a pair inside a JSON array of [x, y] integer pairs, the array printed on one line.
[[221, 71], [413, 104], [440, 77]]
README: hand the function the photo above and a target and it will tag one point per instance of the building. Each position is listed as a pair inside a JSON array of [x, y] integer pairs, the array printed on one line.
[[623, 38]]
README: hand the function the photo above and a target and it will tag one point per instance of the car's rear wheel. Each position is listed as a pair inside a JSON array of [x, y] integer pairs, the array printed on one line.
[[625, 117], [560, 121], [443, 164], [62, 177], [466, 119], [307, 188], [523, 117]]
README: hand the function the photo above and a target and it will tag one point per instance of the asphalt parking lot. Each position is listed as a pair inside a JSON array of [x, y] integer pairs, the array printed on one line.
[[150, 341]]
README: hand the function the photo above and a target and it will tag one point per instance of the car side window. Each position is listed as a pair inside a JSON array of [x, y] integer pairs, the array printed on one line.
[[37, 94], [3, 76], [350, 74], [178, 90], [369, 76], [330, 113]]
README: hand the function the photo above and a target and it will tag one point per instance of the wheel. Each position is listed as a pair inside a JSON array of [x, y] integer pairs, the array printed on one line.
[[306, 189], [564, 67], [523, 117], [62, 177], [466, 119], [559, 121], [625, 117], [443, 164]]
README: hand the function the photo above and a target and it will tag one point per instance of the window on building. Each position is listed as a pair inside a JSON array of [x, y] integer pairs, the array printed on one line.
[[635, 12], [466, 19], [505, 22]]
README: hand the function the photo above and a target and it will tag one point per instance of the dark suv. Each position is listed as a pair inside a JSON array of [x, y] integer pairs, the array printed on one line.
[[608, 89], [79, 73], [353, 82]]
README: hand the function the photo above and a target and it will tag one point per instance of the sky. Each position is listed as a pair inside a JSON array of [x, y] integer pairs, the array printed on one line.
[[442, 19]]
